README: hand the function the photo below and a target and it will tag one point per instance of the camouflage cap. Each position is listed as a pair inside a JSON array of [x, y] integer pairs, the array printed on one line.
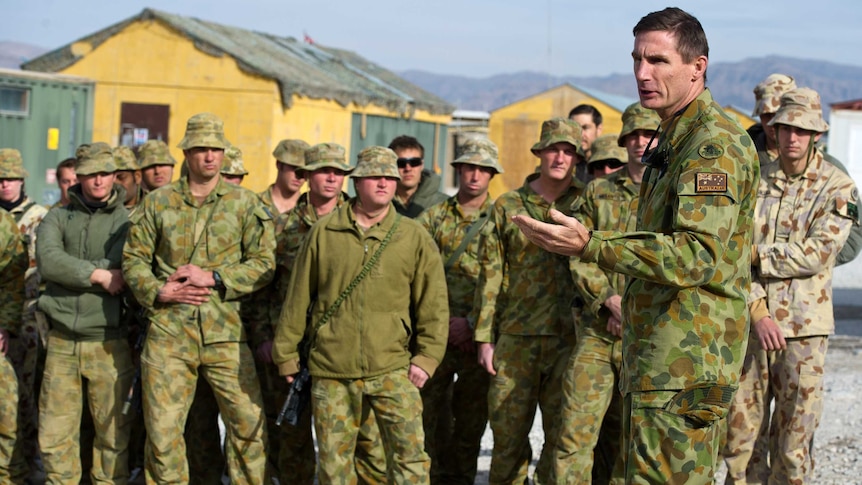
[[767, 94], [558, 130], [291, 152], [94, 158], [481, 152], [11, 164], [232, 164], [376, 162], [636, 117], [801, 108], [204, 130], [124, 158], [154, 152], [606, 148], [326, 155]]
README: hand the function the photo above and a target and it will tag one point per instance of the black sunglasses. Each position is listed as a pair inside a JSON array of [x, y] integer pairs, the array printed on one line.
[[413, 162]]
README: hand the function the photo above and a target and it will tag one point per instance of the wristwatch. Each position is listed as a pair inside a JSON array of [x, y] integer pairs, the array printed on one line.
[[219, 284]]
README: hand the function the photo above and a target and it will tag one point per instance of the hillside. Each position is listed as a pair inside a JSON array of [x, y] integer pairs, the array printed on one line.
[[12, 54]]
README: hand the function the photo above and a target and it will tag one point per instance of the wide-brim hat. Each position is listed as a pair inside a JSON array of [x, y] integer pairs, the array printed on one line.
[[204, 130], [636, 117], [801, 108], [557, 130], [767, 94], [12, 165], [376, 161], [480, 152], [325, 155], [606, 148], [154, 152], [124, 158], [94, 158], [232, 163], [291, 152]]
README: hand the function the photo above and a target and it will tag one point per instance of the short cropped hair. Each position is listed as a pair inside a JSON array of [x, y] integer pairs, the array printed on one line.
[[686, 29], [406, 141], [587, 109]]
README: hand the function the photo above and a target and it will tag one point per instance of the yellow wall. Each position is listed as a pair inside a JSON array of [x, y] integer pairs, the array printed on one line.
[[148, 62], [743, 118], [516, 127]]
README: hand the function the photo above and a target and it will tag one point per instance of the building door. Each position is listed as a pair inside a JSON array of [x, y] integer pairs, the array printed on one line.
[[142, 122]]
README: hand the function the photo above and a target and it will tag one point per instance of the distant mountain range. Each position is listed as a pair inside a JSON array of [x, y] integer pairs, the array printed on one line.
[[731, 82]]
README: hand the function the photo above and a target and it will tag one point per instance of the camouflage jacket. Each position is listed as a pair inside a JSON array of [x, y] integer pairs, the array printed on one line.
[[608, 204], [266, 198], [264, 306], [800, 223], [13, 264], [74, 241], [235, 238], [684, 309], [394, 317], [522, 289], [28, 215], [448, 224]]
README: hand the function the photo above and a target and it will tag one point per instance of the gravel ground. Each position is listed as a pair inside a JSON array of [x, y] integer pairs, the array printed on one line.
[[838, 442]]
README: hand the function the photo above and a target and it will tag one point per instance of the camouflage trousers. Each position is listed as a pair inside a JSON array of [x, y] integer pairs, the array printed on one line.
[[170, 366], [672, 437], [793, 379], [590, 385], [8, 420], [342, 406], [108, 370], [290, 454], [455, 413], [26, 354], [529, 373], [203, 450]]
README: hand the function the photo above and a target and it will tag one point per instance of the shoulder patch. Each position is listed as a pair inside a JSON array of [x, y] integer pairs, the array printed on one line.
[[710, 182], [710, 150]]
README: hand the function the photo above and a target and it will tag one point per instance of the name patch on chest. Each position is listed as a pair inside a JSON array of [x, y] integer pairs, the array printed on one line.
[[711, 182]]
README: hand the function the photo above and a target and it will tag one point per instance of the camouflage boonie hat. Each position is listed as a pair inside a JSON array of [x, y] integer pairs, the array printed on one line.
[[767, 94], [94, 158], [801, 108], [376, 162], [11, 164], [326, 155], [291, 152], [606, 148], [232, 164], [480, 152], [204, 130], [636, 117], [124, 158], [154, 152], [558, 130]]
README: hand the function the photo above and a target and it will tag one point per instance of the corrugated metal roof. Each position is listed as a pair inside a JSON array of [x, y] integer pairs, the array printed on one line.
[[42, 76], [309, 70], [616, 101]]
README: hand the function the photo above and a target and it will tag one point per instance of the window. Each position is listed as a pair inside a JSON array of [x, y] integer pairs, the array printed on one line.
[[14, 101]]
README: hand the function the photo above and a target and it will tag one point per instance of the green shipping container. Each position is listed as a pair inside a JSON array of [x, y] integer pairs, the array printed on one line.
[[45, 116]]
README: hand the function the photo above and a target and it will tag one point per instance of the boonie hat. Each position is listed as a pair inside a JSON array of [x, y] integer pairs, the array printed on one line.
[[604, 148], [481, 152], [326, 155], [11, 164], [94, 158], [376, 161], [124, 158], [154, 152], [801, 108], [291, 152], [636, 117], [204, 130], [558, 130], [767, 94], [232, 164]]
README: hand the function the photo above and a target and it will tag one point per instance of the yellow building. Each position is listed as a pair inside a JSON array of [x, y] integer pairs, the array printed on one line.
[[516, 127], [155, 70], [742, 116]]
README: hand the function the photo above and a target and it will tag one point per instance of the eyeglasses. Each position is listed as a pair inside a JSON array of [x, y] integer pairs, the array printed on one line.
[[413, 162]]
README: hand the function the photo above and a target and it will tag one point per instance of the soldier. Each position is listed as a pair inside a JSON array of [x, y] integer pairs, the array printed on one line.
[[524, 327], [79, 250], [233, 170], [372, 283], [591, 400], [684, 308], [418, 189], [65, 178], [195, 247], [805, 209], [27, 350], [157, 164], [128, 175], [13, 264], [607, 156], [455, 413], [589, 118], [282, 195]]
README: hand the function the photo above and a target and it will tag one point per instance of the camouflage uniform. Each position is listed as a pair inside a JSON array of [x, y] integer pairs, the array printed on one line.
[[684, 308], [591, 409], [802, 220], [455, 413], [359, 360], [233, 164], [524, 299], [88, 334], [13, 264], [27, 349], [289, 152], [235, 238]]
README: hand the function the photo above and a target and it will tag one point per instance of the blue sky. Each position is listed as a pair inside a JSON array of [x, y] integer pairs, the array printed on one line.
[[478, 38]]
